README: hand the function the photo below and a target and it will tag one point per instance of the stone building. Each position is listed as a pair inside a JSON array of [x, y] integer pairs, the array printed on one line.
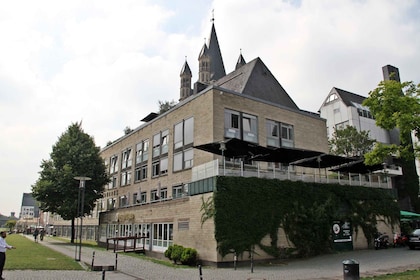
[[160, 176]]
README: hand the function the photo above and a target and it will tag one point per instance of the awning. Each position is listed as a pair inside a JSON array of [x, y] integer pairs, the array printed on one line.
[[236, 148], [407, 214], [322, 161], [357, 167]]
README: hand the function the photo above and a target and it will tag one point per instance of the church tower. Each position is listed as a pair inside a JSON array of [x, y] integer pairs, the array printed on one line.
[[204, 65], [185, 76]]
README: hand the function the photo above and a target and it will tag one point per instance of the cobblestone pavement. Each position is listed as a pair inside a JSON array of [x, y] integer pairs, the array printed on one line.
[[326, 267]]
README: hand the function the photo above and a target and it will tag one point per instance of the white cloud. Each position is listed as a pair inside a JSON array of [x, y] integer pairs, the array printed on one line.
[[109, 63]]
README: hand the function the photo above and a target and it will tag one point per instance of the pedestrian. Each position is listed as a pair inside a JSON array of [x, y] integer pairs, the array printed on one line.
[[41, 235], [3, 247], [36, 232]]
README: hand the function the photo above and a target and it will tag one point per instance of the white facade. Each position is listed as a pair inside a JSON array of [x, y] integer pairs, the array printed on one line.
[[342, 108]]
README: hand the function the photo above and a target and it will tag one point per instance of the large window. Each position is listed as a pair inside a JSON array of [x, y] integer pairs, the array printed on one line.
[[160, 143], [241, 125], [125, 178], [126, 159], [113, 166], [162, 236], [141, 173], [142, 151], [287, 135], [183, 142], [279, 134]]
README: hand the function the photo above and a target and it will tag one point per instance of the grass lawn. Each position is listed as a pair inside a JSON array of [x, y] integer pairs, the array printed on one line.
[[408, 275], [31, 255]]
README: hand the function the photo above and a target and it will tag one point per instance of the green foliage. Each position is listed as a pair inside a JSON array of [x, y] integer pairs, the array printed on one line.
[[178, 253], [35, 256], [396, 105], [189, 256], [10, 224], [207, 209], [350, 142], [166, 106], [248, 209], [74, 154]]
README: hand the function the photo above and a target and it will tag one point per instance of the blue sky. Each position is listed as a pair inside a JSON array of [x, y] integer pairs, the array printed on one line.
[[108, 63]]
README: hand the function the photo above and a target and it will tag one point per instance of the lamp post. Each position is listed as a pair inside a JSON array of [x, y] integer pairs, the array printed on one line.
[[80, 210], [223, 149]]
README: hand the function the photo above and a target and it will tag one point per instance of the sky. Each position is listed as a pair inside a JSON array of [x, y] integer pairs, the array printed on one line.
[[107, 63]]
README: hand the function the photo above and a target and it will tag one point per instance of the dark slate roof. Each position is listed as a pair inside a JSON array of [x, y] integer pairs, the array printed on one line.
[[186, 69], [349, 97], [241, 61], [255, 79], [28, 200], [217, 68]]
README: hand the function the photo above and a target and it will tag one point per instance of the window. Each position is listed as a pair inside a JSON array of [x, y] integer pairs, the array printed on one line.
[[139, 197], [123, 201], [113, 167], [286, 135], [126, 159], [163, 194], [331, 98], [272, 129], [162, 236], [155, 168], [154, 195], [279, 134], [183, 160], [142, 151], [141, 173], [232, 129], [160, 143], [179, 191], [249, 124], [163, 166], [241, 125], [125, 178], [113, 183], [183, 141], [111, 203]]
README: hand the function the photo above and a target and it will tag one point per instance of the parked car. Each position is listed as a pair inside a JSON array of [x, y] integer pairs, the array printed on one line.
[[414, 239]]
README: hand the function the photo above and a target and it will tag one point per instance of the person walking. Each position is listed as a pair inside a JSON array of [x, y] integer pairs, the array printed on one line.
[[36, 232], [3, 247]]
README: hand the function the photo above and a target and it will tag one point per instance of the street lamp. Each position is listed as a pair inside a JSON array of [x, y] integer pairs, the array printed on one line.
[[223, 149], [80, 210]]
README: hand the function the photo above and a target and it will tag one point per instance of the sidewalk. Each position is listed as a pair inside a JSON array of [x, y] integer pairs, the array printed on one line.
[[327, 267]]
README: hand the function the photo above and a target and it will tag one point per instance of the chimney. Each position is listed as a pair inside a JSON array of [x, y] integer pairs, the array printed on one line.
[[391, 73]]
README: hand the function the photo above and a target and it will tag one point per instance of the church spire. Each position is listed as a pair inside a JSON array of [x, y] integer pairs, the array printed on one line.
[[210, 60], [241, 61], [185, 75]]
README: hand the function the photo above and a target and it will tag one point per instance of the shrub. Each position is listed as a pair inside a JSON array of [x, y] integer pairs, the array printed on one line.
[[189, 256], [178, 253]]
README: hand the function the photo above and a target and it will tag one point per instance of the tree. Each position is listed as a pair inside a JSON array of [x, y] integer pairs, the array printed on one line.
[[166, 106], [74, 154], [396, 105], [10, 224], [350, 143]]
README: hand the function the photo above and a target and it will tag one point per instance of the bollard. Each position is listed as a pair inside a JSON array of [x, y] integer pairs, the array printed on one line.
[[93, 259], [351, 270], [200, 272]]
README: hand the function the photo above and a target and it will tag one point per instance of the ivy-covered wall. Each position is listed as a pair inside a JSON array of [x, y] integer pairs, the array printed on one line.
[[247, 209]]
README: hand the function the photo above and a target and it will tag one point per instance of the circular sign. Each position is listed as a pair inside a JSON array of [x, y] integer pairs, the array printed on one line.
[[336, 228]]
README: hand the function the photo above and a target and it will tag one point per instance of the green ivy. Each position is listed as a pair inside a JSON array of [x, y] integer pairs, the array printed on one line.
[[245, 210]]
